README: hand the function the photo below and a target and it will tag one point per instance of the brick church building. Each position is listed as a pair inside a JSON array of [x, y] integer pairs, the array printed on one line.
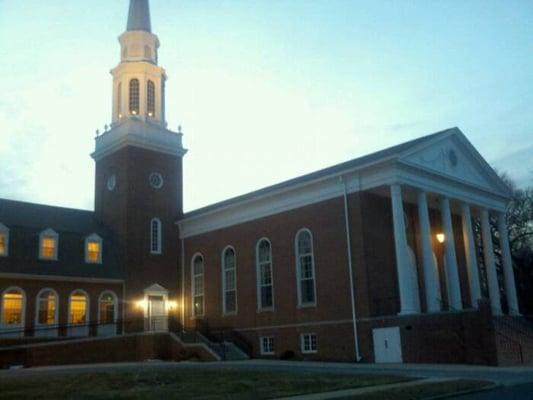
[[375, 259]]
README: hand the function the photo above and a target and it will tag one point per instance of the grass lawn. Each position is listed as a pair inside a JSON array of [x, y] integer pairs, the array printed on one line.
[[424, 391], [179, 383]]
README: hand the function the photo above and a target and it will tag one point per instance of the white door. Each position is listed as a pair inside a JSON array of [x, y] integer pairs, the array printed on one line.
[[387, 345], [157, 314]]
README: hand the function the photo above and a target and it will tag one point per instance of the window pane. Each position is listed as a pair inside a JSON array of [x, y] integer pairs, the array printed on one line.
[[230, 280], [134, 96], [199, 285], [306, 267], [93, 251], [307, 291], [198, 267], [266, 296], [107, 309], [12, 304], [47, 309], [304, 243], [150, 98], [266, 274], [78, 309], [198, 305], [264, 251], [231, 301], [48, 246]]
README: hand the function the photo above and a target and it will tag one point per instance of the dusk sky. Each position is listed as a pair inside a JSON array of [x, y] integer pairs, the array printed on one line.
[[265, 90]]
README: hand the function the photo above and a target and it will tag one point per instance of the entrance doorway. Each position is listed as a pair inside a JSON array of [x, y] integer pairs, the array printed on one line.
[[157, 314], [387, 345]]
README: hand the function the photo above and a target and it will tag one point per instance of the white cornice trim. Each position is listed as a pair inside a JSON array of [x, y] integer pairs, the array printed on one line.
[[59, 278]]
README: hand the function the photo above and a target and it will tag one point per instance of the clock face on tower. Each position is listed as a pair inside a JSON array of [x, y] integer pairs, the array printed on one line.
[[156, 180], [111, 182]]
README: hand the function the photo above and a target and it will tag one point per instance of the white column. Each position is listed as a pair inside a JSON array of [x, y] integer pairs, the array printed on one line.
[[452, 274], [490, 265], [431, 275], [471, 259], [508, 274], [405, 283]]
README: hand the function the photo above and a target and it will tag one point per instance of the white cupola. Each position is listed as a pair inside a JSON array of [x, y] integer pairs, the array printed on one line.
[[138, 82]]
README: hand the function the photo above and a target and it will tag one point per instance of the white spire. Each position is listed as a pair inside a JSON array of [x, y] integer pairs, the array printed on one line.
[[139, 16]]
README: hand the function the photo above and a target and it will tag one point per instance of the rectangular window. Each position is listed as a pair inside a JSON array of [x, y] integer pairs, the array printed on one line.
[[47, 310], [3, 244], [308, 343], [93, 252], [267, 345], [48, 248]]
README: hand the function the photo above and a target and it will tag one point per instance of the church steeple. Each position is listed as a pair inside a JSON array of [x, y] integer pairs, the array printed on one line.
[[139, 16], [138, 82]]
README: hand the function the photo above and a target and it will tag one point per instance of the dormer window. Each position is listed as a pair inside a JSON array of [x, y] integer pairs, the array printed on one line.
[[93, 249], [4, 241], [48, 244]]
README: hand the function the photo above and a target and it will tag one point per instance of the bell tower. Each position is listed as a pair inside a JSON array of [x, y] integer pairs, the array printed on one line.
[[138, 171]]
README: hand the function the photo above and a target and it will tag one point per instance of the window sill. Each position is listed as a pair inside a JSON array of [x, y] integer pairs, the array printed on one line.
[[229, 314], [265, 310], [307, 305], [310, 352], [267, 354]]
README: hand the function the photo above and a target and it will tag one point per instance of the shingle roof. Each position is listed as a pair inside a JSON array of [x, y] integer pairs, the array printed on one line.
[[27, 220], [354, 163]]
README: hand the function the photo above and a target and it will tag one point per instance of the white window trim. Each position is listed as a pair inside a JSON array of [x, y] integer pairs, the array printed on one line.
[[37, 304], [261, 348], [93, 238], [22, 326], [158, 250], [260, 307], [48, 233], [224, 284], [5, 230], [298, 269], [115, 305], [302, 343], [193, 294]]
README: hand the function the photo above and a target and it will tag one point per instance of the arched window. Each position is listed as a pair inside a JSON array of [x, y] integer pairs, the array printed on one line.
[[107, 314], [78, 317], [47, 307], [155, 236], [150, 98], [134, 96], [265, 291], [48, 244], [93, 249], [305, 268], [4, 240], [197, 277], [13, 309], [119, 100], [229, 281]]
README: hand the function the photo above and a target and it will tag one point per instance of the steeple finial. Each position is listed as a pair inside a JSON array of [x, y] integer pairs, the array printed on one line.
[[139, 16]]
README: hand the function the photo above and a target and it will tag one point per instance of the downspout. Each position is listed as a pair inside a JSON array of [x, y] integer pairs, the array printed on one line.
[[183, 285], [350, 270]]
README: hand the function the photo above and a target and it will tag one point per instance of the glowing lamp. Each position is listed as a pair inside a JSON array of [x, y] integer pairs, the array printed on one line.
[[134, 112], [172, 305], [142, 304], [150, 114], [440, 237]]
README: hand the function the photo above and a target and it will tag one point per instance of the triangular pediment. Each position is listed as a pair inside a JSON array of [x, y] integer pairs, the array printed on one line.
[[454, 157], [156, 288]]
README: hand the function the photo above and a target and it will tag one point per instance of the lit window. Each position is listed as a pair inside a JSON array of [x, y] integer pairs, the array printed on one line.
[[229, 282], [134, 96], [93, 249], [4, 241], [308, 343], [305, 268], [267, 345], [107, 307], [48, 245], [198, 286], [264, 275], [47, 308], [13, 308], [155, 236], [78, 308], [150, 99]]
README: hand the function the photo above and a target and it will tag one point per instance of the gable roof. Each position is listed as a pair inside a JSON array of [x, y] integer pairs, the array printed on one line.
[[27, 220]]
